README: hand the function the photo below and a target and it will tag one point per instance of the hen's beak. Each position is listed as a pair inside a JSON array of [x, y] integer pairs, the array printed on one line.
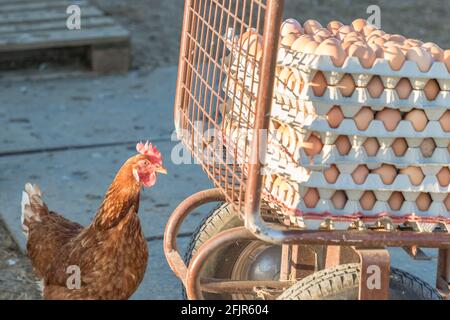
[[161, 169]]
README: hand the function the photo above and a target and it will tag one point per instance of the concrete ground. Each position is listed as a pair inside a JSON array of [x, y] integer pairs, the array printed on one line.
[[57, 134], [72, 136]]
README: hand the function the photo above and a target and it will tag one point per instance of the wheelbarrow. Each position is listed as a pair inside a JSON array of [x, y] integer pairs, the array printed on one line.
[[247, 247]]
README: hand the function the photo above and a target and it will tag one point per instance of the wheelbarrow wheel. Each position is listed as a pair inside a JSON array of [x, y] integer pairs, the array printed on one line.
[[342, 283], [239, 261]]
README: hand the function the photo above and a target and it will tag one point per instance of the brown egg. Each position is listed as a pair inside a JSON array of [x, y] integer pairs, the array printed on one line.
[[396, 201], [310, 47], [418, 119], [343, 145], [445, 121], [387, 173], [379, 52], [413, 43], [289, 39], [389, 117], [346, 86], [301, 42], [364, 53], [247, 34], [279, 131], [378, 41], [318, 38], [354, 35], [311, 198], [436, 52], [444, 177], [367, 30], [339, 199], [360, 174], [311, 25], [368, 200], [387, 36], [394, 56], [359, 24], [421, 57], [346, 44], [335, 117], [253, 45], [376, 33], [427, 147], [447, 202], [332, 48], [397, 38], [431, 89], [447, 59], [319, 84], [343, 31], [290, 26], [283, 190], [363, 118], [403, 88], [313, 145], [415, 175], [323, 33], [371, 145], [287, 137], [399, 147], [375, 87], [423, 201], [331, 174], [393, 43], [334, 26], [284, 76]]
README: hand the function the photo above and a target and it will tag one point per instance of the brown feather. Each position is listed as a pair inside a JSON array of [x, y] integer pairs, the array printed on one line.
[[111, 253]]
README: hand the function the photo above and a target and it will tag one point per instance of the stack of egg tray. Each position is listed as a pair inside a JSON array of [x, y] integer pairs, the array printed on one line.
[[296, 106]]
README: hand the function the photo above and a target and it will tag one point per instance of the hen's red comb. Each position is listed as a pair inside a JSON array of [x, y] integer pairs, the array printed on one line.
[[148, 150]]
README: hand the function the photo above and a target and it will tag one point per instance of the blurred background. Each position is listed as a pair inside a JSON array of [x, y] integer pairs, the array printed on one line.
[[68, 128]]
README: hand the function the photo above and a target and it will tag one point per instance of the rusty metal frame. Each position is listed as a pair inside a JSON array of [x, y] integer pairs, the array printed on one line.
[[443, 272], [375, 264], [299, 265], [174, 223], [255, 226]]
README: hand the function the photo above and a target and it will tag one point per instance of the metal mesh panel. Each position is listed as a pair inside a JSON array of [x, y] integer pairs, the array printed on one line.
[[212, 49]]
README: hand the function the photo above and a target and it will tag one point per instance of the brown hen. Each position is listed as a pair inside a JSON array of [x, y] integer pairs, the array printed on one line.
[[108, 258]]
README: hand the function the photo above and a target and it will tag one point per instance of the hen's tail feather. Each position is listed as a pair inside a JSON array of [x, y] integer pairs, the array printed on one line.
[[32, 206]]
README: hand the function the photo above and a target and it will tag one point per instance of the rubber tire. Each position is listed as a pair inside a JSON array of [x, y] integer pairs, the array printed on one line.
[[219, 219], [342, 282]]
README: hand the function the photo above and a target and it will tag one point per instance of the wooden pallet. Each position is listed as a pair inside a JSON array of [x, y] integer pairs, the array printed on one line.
[[36, 25]]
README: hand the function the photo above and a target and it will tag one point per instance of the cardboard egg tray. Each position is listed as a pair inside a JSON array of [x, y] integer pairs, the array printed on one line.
[[291, 116], [299, 179], [361, 96], [327, 221], [290, 195], [287, 110], [308, 64], [358, 155], [385, 138], [402, 183], [280, 161], [377, 129], [305, 112]]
